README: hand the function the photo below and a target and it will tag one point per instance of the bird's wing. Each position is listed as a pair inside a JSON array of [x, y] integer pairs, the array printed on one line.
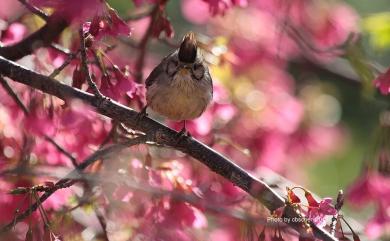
[[157, 71], [154, 75], [208, 78]]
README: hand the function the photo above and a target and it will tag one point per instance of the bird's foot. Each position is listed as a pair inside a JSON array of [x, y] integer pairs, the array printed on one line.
[[141, 115], [182, 134]]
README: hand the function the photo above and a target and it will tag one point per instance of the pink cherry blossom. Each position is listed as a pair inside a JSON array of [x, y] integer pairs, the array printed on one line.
[[14, 33], [73, 10], [382, 82], [380, 224], [316, 141], [107, 24], [10, 10], [174, 217], [336, 25], [121, 85], [325, 207], [196, 11], [221, 6], [373, 187], [40, 121]]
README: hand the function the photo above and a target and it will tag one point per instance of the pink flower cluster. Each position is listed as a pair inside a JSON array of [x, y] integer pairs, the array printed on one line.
[[373, 187], [262, 39]]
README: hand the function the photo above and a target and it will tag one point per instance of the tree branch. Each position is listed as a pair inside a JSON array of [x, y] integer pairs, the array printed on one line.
[[165, 136], [144, 43]]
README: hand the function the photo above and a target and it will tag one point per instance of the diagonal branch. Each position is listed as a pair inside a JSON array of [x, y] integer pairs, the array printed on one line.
[[62, 150], [165, 136], [13, 95]]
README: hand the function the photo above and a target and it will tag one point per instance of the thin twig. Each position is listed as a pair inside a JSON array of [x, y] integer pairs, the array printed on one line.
[[338, 206], [39, 188], [102, 222], [84, 66], [139, 65], [69, 59], [13, 95], [110, 135], [34, 10], [62, 150]]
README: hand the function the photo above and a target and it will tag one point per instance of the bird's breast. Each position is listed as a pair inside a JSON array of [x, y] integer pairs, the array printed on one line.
[[182, 99]]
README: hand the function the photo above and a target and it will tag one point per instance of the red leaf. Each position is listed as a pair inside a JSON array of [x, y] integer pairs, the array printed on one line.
[[118, 26], [292, 198], [95, 26], [78, 78], [310, 199], [162, 24]]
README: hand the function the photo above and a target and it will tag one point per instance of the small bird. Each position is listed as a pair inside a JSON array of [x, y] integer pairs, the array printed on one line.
[[180, 87]]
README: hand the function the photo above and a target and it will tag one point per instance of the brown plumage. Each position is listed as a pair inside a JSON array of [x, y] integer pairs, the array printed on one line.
[[180, 87]]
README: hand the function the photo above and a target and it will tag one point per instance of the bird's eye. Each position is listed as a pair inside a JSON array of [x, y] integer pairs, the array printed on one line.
[[198, 71], [172, 67]]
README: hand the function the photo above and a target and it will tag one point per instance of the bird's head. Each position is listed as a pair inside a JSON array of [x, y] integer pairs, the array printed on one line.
[[188, 49], [187, 62]]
